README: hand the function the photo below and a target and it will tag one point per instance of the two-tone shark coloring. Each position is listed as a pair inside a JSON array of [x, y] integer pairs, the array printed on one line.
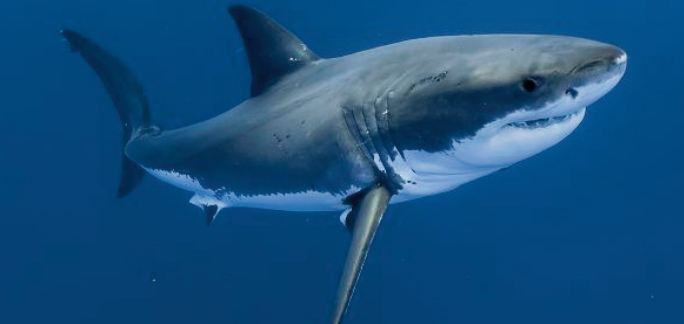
[[359, 132]]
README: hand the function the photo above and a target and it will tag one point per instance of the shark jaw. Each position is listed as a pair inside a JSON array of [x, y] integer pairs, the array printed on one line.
[[503, 142], [498, 144], [524, 133], [517, 137]]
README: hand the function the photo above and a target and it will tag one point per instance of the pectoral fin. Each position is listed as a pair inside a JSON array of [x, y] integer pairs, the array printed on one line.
[[366, 213]]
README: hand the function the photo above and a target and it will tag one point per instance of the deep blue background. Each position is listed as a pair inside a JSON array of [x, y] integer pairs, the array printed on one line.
[[590, 231]]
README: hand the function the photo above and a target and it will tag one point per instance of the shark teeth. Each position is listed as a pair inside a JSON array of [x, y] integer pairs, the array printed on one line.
[[539, 123]]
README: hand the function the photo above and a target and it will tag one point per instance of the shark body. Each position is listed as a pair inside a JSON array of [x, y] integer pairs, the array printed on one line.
[[359, 132]]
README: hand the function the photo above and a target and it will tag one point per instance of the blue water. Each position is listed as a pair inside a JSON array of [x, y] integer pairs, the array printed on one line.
[[590, 231]]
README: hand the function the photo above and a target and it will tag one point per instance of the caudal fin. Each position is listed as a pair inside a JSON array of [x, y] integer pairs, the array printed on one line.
[[128, 97]]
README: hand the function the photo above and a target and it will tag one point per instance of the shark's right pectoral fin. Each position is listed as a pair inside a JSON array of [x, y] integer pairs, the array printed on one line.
[[366, 214]]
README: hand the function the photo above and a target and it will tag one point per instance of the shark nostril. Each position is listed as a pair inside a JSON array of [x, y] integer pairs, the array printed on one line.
[[591, 65], [572, 92]]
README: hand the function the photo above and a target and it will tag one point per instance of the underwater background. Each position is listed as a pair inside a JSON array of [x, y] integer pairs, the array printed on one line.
[[590, 231]]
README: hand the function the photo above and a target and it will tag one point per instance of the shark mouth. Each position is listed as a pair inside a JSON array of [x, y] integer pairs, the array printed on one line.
[[542, 122]]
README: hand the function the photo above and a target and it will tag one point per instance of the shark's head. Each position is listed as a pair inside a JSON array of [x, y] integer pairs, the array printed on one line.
[[487, 102]]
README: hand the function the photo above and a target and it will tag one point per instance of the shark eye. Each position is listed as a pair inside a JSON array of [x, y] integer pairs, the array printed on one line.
[[530, 84]]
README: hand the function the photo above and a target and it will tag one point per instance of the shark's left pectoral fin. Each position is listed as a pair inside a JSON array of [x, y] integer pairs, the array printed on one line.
[[366, 214]]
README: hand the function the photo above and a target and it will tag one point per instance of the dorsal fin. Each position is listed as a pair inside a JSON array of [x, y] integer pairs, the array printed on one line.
[[271, 49]]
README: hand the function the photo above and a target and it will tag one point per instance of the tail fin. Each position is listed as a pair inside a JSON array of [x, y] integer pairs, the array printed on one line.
[[128, 97]]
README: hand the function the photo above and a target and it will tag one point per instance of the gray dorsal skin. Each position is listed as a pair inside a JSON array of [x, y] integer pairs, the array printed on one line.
[[405, 121], [272, 50]]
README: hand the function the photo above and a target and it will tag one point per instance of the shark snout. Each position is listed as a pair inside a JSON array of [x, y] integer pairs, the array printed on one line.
[[597, 74], [608, 59]]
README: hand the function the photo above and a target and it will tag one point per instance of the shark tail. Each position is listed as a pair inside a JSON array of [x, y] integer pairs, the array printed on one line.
[[128, 97]]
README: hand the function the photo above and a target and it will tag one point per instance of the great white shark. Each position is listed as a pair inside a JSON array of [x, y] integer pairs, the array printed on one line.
[[359, 132]]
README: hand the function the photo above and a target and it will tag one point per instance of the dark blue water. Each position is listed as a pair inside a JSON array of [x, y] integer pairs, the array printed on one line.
[[587, 232]]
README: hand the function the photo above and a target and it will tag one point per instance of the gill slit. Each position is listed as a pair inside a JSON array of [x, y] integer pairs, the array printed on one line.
[[362, 123]]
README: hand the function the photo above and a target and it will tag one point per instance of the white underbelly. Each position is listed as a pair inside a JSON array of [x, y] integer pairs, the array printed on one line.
[[297, 201], [431, 184], [294, 201]]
